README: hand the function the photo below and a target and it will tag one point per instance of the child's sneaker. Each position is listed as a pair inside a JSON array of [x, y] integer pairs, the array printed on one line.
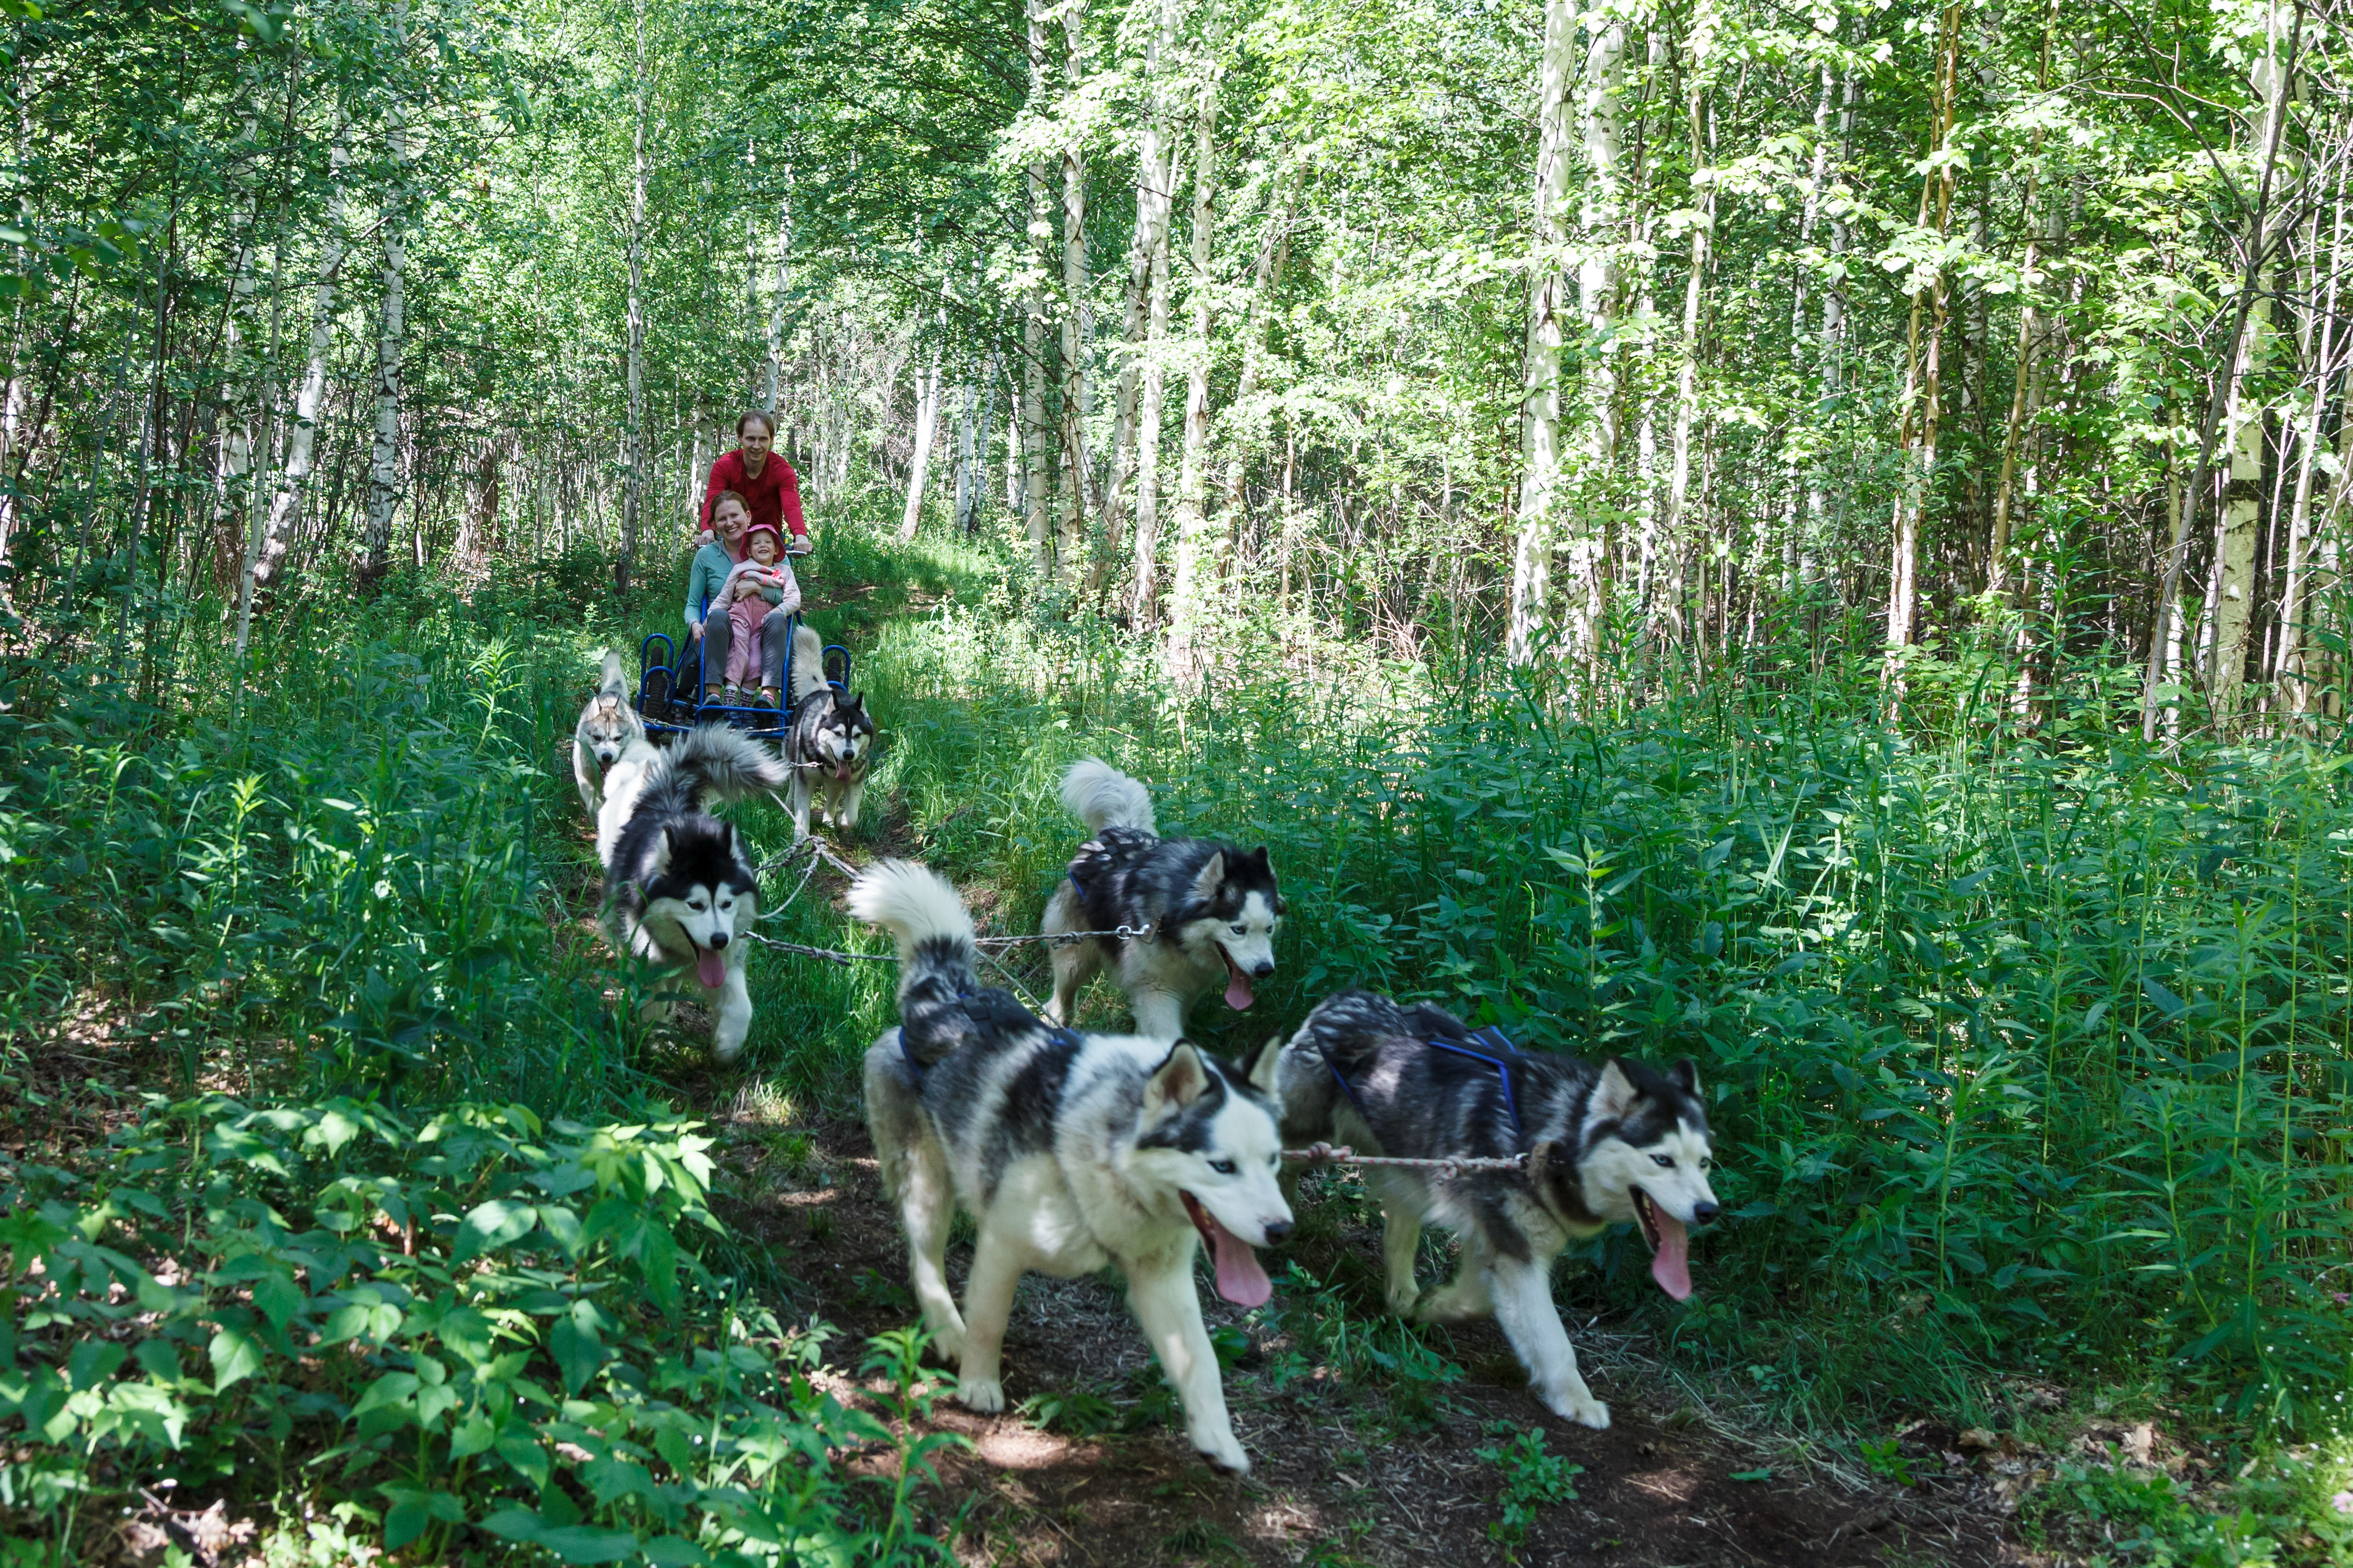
[[735, 696]]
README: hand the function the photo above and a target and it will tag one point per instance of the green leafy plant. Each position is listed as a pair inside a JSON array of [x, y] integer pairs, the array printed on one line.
[[1534, 1479]]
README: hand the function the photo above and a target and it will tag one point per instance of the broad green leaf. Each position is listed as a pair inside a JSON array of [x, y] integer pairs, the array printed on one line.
[[492, 1226], [234, 1356]]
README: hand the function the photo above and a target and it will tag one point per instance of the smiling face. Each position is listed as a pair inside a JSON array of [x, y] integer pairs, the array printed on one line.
[[1212, 1139], [755, 437], [763, 547], [729, 520]]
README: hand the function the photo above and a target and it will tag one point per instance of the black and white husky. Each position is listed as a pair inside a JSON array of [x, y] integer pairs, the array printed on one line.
[[607, 724], [679, 888], [1069, 1151], [1616, 1142], [828, 740], [1208, 908]]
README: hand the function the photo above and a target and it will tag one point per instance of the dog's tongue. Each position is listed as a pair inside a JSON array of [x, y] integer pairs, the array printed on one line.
[[1670, 1264], [710, 968], [1237, 987], [1241, 1279]]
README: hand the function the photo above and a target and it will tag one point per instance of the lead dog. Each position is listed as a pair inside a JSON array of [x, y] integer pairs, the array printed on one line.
[[1208, 909], [679, 888], [1069, 1151], [1617, 1142], [828, 740], [607, 724]]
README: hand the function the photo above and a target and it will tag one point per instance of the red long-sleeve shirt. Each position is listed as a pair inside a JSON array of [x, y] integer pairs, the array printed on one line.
[[774, 496]]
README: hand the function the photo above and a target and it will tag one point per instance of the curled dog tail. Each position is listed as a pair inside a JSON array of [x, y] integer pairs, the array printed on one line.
[[721, 763], [614, 683], [809, 664], [1102, 796], [938, 958]]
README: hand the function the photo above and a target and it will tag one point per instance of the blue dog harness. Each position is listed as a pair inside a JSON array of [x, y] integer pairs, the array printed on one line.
[[1488, 1036]]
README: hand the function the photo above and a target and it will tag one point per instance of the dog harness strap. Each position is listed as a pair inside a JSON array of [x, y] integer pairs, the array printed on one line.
[[1333, 1067], [1502, 1063], [913, 1065]]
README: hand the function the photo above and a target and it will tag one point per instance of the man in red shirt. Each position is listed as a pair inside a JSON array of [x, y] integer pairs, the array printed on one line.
[[764, 480]]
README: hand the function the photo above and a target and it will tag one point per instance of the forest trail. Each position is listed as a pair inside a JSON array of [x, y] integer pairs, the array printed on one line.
[[1349, 1472]]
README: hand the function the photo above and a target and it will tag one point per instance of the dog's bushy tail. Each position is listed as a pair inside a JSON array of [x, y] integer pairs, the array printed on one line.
[[937, 957], [614, 683], [719, 764], [809, 664], [1102, 796]]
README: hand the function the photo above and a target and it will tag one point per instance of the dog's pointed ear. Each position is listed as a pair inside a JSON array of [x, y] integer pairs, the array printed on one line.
[[1177, 1082], [1614, 1096], [666, 846], [1261, 1072], [1684, 1076], [1212, 872], [1259, 858]]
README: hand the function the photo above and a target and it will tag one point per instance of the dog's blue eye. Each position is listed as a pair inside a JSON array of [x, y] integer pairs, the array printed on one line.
[[1666, 1160], [1223, 1167], [1238, 928]]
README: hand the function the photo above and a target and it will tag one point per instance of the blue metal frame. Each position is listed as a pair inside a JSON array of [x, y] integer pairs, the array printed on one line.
[[677, 669]]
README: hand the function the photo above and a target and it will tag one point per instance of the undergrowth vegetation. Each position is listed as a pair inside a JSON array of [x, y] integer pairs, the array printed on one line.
[[339, 1178]]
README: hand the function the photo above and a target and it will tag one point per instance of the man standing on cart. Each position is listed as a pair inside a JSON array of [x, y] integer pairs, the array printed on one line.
[[766, 481]]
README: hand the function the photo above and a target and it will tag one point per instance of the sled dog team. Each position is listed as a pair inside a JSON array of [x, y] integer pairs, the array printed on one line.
[[1071, 1149]]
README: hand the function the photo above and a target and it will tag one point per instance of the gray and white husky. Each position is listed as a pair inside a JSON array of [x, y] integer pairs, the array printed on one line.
[[607, 724], [828, 740], [679, 888], [1617, 1142], [1208, 908], [1069, 1151]]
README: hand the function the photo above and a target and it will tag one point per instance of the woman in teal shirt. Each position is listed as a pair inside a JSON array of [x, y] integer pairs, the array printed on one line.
[[706, 616]]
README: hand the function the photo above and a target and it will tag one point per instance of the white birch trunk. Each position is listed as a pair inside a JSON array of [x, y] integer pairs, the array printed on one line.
[[1033, 327], [1154, 198], [1144, 604], [1077, 479], [384, 466], [633, 456], [927, 424], [1540, 397], [1700, 62], [1189, 594]]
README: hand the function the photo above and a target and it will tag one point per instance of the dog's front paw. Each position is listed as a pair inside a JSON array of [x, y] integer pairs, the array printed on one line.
[[987, 1395], [1401, 1299], [1578, 1404], [1222, 1451], [947, 1345]]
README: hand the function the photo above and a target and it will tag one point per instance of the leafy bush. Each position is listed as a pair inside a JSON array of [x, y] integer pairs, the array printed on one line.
[[1533, 1478], [480, 1326]]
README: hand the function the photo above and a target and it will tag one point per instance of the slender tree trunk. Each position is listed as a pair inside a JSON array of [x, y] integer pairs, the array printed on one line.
[[1266, 277], [987, 419], [1699, 66], [777, 305], [2327, 362], [1077, 323], [634, 436], [927, 426], [1190, 592], [384, 466], [1921, 404], [1033, 329], [2234, 544], [1540, 391], [1154, 198], [1144, 605]]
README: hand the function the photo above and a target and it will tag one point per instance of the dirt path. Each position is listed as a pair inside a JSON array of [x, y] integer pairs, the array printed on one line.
[[1339, 1480]]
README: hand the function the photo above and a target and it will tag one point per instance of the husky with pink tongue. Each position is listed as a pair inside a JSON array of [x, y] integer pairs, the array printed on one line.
[[1618, 1142], [1201, 912], [679, 891], [1069, 1151]]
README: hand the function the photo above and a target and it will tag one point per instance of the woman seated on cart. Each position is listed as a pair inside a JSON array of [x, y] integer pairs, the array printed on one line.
[[712, 584]]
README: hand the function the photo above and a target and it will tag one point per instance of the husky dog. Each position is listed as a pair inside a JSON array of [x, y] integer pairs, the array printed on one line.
[[679, 888], [1603, 1144], [606, 727], [827, 739], [1069, 1151], [1208, 909]]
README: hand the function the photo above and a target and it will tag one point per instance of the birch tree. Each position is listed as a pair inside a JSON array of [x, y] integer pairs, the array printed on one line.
[[383, 464], [1540, 397], [302, 440], [1189, 590], [633, 435]]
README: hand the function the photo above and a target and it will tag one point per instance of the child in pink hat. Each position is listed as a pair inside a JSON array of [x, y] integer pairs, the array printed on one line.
[[763, 567]]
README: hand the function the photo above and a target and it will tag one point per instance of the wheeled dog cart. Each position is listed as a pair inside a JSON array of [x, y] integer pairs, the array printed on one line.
[[670, 683]]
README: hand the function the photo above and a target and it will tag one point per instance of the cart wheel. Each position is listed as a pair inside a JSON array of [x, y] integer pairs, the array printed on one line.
[[836, 666]]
